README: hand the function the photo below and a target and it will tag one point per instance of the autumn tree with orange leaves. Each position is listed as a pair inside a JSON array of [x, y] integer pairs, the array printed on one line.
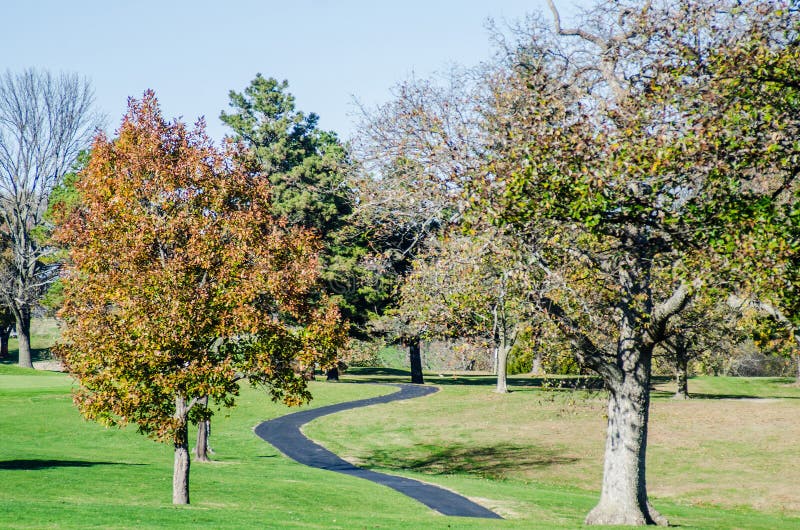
[[180, 283]]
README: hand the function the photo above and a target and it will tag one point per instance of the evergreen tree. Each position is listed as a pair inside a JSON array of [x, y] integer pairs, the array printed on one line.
[[307, 168]]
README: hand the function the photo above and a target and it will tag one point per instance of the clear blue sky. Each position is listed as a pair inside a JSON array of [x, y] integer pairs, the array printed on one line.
[[193, 52]]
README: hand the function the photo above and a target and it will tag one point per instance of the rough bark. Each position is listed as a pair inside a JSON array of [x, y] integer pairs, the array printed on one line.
[[678, 346], [201, 450], [23, 318], [180, 471], [504, 347], [415, 357], [623, 500], [332, 374], [682, 376]]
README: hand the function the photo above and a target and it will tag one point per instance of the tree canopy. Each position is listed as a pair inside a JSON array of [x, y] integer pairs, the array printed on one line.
[[640, 159]]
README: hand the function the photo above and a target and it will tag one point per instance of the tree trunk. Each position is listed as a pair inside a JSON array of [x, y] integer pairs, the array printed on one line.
[[332, 374], [4, 343], [502, 370], [536, 368], [201, 448], [180, 471], [23, 317], [682, 375], [503, 349], [415, 357], [623, 497], [797, 354], [623, 500]]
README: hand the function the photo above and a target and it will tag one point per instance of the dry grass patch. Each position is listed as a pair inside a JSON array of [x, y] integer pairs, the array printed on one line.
[[727, 452], [730, 452]]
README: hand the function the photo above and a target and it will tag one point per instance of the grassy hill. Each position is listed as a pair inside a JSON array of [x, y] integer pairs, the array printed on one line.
[[726, 459]]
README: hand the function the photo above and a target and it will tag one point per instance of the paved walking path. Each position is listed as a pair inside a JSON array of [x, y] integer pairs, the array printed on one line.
[[284, 433]]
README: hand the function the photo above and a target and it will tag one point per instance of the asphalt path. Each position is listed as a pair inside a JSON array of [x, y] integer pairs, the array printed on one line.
[[284, 433]]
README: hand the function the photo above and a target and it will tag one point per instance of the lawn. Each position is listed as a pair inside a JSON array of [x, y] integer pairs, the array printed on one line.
[[733, 447], [724, 460]]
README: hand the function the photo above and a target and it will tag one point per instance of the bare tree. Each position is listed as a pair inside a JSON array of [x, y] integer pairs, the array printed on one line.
[[414, 154], [45, 120]]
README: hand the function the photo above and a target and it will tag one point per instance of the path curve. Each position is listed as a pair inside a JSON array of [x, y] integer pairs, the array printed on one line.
[[284, 433]]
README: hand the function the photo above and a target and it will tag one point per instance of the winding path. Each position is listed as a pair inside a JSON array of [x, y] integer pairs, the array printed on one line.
[[284, 433]]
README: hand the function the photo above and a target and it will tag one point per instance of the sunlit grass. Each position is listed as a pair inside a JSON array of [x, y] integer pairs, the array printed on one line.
[[61, 471], [534, 456]]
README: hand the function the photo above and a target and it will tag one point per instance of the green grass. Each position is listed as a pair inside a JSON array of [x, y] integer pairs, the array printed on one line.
[[708, 387], [532, 455], [62, 472]]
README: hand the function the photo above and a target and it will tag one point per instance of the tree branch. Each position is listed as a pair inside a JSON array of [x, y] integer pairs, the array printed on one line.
[[666, 310], [739, 303], [589, 353], [585, 35]]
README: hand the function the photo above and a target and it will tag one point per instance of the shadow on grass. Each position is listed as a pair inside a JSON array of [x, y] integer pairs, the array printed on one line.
[[37, 354], [378, 371], [661, 394], [554, 382], [492, 461], [34, 465], [752, 397]]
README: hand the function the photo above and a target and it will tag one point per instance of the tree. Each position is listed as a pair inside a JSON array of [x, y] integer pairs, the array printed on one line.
[[621, 148], [777, 296], [307, 167], [413, 153], [303, 163], [45, 120], [788, 331], [705, 325], [469, 286], [7, 320], [180, 282], [63, 198]]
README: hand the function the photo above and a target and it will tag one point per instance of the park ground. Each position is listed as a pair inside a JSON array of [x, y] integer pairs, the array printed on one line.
[[725, 459]]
